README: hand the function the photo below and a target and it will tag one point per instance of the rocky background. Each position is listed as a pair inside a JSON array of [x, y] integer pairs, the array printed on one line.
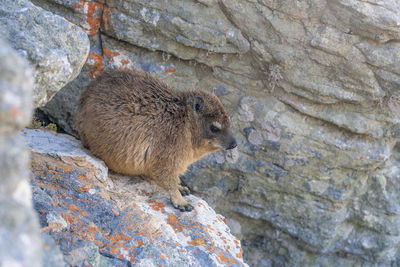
[[314, 92]]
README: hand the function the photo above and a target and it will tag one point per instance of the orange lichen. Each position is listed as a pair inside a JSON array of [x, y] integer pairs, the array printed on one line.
[[211, 248], [172, 220], [92, 228], [170, 70], [240, 254], [14, 111], [116, 212], [114, 250], [73, 207], [197, 242], [125, 61], [157, 206], [93, 22], [50, 227], [97, 64], [84, 188], [139, 244], [110, 53], [115, 238], [80, 5], [226, 260], [68, 218], [222, 257]]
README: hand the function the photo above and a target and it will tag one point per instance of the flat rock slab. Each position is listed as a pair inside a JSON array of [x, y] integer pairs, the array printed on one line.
[[119, 220]]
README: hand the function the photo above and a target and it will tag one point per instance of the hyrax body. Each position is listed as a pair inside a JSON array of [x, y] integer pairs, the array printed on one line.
[[140, 126]]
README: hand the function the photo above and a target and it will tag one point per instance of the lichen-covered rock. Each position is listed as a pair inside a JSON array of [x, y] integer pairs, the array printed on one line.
[[102, 220], [56, 48], [313, 89], [20, 243]]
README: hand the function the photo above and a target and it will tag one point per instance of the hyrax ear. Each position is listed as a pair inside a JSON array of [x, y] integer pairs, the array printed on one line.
[[197, 103]]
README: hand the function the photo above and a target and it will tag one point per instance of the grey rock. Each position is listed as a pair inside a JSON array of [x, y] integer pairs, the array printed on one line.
[[55, 48], [20, 243], [52, 255], [16, 90], [178, 24]]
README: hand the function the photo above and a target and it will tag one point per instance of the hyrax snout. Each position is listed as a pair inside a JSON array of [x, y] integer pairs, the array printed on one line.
[[140, 126]]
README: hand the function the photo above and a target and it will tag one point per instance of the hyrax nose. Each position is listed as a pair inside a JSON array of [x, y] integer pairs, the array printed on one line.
[[232, 145]]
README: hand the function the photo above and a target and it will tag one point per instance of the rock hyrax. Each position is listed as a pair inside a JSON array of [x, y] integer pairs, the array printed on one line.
[[140, 126]]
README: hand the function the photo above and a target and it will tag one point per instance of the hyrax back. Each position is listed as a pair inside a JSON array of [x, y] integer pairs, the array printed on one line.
[[140, 126]]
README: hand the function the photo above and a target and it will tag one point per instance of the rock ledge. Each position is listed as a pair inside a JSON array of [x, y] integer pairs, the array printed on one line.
[[103, 220]]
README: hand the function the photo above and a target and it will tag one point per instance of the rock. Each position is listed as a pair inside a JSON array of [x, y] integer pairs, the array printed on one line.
[[109, 220], [52, 255], [313, 89], [156, 26], [16, 89], [55, 48], [20, 243]]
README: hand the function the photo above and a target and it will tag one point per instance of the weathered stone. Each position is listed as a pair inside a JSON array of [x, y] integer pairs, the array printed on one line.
[[52, 255], [156, 26], [16, 90], [55, 48], [313, 89], [119, 220], [20, 243]]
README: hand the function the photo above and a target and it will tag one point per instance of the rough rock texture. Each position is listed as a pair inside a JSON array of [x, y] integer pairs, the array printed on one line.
[[313, 89], [101, 220], [20, 243], [55, 48]]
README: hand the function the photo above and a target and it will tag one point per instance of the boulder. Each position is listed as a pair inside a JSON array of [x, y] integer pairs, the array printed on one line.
[[20, 243], [313, 89], [103, 219], [56, 48]]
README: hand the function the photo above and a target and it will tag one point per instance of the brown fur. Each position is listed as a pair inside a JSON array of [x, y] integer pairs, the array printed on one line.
[[140, 126]]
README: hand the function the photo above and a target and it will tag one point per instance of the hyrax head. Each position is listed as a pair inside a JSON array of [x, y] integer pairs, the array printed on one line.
[[211, 120]]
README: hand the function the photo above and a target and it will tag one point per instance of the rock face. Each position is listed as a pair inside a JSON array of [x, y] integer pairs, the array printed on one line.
[[102, 220], [20, 243], [313, 89], [55, 48]]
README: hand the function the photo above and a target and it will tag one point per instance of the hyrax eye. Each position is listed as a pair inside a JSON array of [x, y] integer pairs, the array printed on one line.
[[214, 129]]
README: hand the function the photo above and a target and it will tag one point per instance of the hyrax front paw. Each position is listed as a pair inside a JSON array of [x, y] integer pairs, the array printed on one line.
[[182, 206], [185, 191]]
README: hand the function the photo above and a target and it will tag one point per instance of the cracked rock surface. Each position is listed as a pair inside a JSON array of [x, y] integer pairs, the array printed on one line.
[[313, 89]]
